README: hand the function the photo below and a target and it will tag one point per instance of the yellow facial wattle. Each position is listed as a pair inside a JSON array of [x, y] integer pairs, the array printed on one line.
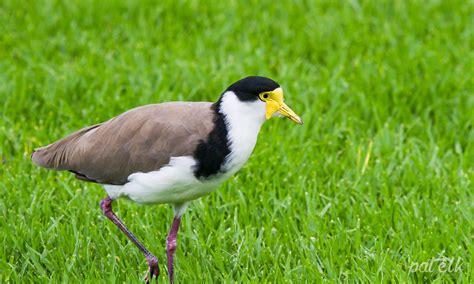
[[274, 103]]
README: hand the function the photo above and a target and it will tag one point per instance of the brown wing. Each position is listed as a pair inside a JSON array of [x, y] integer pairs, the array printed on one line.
[[140, 140]]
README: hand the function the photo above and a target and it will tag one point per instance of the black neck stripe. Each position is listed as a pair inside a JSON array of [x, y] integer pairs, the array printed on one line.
[[211, 153]]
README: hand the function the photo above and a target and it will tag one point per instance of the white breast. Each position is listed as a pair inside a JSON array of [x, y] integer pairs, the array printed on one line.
[[243, 120]]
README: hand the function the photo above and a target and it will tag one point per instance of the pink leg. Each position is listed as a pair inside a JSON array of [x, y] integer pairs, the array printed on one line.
[[171, 246], [106, 205]]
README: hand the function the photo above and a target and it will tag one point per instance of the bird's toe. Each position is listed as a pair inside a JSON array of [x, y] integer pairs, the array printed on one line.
[[154, 270]]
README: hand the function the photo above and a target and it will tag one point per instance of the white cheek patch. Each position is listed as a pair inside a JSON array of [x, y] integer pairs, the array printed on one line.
[[252, 112]]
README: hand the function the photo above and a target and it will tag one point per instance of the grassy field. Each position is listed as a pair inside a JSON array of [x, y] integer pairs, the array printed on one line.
[[378, 181]]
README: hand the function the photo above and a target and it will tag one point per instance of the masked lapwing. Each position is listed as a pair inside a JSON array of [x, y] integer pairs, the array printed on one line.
[[171, 152]]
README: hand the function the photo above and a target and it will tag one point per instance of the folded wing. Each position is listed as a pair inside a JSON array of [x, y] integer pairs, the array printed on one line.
[[140, 140]]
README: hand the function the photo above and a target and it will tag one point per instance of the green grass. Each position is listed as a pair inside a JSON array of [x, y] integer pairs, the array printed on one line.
[[379, 177]]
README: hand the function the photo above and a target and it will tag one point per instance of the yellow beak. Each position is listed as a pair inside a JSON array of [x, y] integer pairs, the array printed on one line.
[[274, 103]]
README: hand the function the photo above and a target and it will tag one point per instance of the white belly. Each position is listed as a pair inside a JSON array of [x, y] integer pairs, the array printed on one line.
[[174, 183]]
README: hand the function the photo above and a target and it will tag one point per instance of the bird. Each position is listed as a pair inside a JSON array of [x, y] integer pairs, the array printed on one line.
[[169, 153]]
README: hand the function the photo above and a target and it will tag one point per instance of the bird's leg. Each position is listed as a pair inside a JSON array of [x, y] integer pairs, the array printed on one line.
[[171, 246], [106, 206]]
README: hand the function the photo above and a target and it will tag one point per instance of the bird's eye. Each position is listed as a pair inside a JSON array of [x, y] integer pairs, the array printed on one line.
[[263, 96]]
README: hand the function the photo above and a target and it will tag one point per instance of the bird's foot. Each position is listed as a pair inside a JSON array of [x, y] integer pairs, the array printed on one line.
[[154, 270]]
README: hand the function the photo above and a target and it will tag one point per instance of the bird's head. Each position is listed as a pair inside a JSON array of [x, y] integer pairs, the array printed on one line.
[[263, 95]]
